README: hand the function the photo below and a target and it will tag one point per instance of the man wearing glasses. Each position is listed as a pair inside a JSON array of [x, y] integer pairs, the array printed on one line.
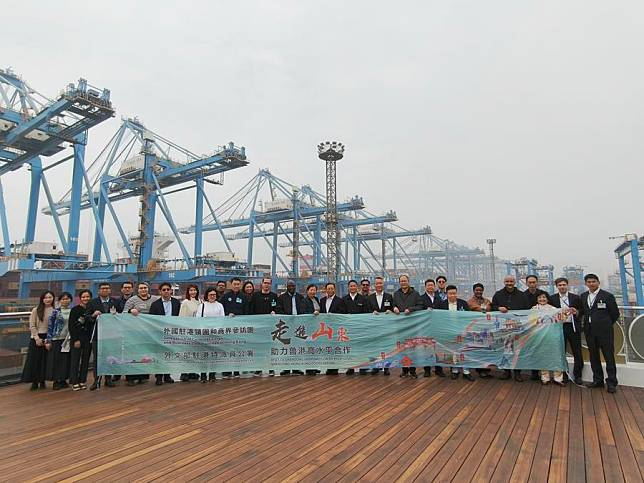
[[441, 293], [365, 288], [167, 305]]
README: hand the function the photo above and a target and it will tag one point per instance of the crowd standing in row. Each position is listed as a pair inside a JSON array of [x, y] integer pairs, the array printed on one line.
[[63, 338]]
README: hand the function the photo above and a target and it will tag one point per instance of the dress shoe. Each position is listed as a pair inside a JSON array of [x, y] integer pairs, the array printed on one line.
[[374, 371], [184, 378], [159, 381], [485, 375], [518, 378], [534, 376], [595, 384], [469, 377], [505, 376], [131, 382], [386, 372], [55, 386], [427, 373], [297, 373], [440, 374], [168, 380], [43, 385], [454, 375], [34, 386], [350, 372], [611, 389], [578, 381], [109, 383], [413, 375]]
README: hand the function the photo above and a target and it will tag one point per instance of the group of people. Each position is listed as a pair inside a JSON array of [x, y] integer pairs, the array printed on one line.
[[63, 338]]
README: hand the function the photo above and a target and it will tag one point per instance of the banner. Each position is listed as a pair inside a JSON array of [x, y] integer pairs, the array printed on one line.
[[149, 344]]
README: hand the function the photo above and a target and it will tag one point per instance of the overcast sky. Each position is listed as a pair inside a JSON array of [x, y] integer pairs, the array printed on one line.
[[518, 120]]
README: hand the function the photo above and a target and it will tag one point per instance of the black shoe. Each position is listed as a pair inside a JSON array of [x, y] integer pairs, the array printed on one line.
[[427, 373], [505, 376], [413, 375], [374, 371], [534, 376], [404, 374], [159, 381], [168, 380], [43, 385], [184, 378], [518, 378], [297, 373], [578, 381], [485, 375], [595, 384], [469, 377], [386, 372], [454, 375], [285, 373], [55, 386], [131, 383], [34, 386], [203, 380], [350, 372], [441, 374], [64, 385], [95, 385], [611, 389]]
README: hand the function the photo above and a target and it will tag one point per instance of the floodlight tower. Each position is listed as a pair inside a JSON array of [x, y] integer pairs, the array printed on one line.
[[331, 152], [491, 242]]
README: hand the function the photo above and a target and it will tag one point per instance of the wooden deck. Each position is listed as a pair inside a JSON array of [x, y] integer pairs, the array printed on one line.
[[327, 428]]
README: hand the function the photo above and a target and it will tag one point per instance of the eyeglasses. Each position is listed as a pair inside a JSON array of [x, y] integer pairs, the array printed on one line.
[[365, 284], [212, 294], [165, 289]]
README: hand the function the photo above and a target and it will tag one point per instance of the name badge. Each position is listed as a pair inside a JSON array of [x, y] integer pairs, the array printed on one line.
[[601, 305], [238, 300], [387, 304], [273, 303]]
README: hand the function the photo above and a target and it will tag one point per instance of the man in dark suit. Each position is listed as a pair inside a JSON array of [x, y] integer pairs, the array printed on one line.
[[167, 305], [332, 304], [379, 302], [428, 299], [356, 303], [455, 304], [504, 300], [290, 303], [572, 326], [599, 312], [406, 301], [103, 304]]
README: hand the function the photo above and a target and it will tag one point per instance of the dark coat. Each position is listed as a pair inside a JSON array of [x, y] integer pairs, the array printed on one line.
[[515, 300], [532, 298], [261, 303], [285, 303], [410, 300], [603, 313], [387, 302], [307, 306], [156, 307], [444, 305], [337, 306], [81, 324], [359, 305], [234, 303], [427, 301], [574, 301]]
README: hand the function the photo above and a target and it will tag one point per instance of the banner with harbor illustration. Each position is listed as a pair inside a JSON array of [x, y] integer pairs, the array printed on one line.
[[147, 344]]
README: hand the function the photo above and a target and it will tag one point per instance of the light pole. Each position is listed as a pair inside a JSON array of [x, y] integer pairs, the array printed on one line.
[[331, 152], [491, 242]]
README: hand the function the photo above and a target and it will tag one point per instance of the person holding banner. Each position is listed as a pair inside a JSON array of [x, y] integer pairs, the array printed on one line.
[[356, 303], [544, 308], [189, 306], [331, 304], [169, 306], [572, 325], [103, 304], [599, 313], [453, 303], [311, 305], [441, 293], [135, 305], [428, 299], [506, 299], [290, 303], [479, 303], [406, 301], [210, 307], [365, 288], [379, 302]]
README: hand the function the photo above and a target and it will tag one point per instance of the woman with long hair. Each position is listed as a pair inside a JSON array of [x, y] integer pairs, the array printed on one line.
[[58, 341], [80, 336], [210, 307], [35, 369], [189, 306]]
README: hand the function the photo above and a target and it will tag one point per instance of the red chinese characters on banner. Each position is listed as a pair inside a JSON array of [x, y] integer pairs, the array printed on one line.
[[342, 335], [406, 361], [323, 330]]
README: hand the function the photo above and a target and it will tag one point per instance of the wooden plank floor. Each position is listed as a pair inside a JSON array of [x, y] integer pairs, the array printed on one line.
[[323, 428]]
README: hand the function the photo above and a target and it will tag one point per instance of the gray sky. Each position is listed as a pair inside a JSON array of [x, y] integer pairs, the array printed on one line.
[[521, 120]]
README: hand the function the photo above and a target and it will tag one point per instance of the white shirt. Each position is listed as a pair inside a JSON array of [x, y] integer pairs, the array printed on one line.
[[210, 309], [431, 296], [453, 306], [293, 305], [353, 296], [379, 299], [564, 302], [329, 301], [591, 297]]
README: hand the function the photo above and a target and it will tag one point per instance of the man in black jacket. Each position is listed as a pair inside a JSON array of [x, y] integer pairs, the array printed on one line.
[[290, 303], [379, 302], [406, 301], [572, 326], [356, 303], [455, 304], [167, 305], [510, 298], [103, 304], [126, 292], [599, 312], [332, 304], [429, 299], [235, 303], [264, 301]]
